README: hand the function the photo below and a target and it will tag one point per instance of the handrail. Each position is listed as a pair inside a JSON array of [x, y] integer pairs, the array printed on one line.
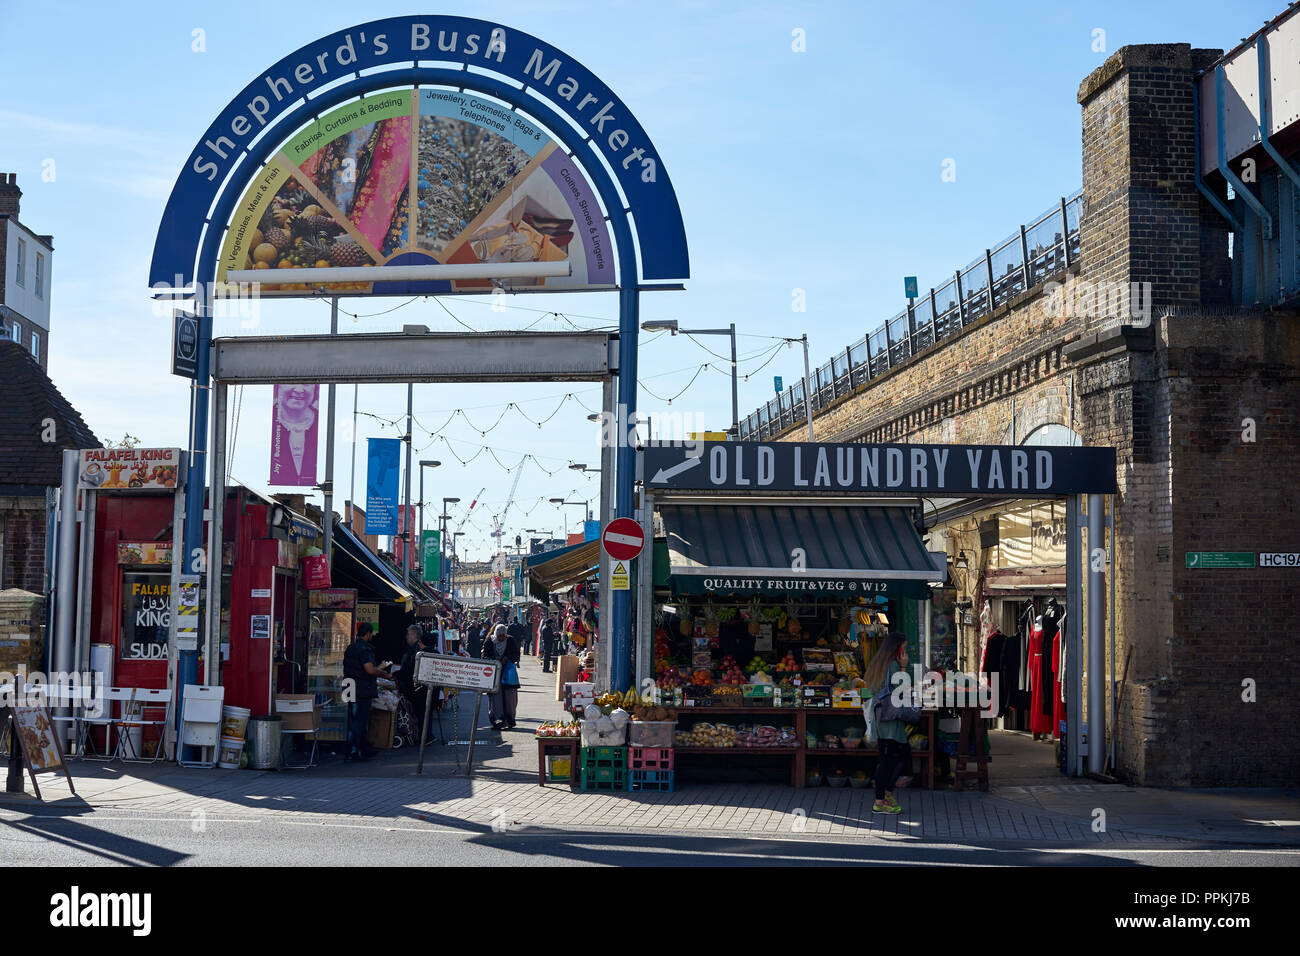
[[1035, 252]]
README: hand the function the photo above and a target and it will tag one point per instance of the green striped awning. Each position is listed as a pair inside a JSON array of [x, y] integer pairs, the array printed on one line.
[[797, 549]]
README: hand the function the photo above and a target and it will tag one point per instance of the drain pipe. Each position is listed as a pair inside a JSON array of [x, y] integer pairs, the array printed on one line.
[[1269, 148], [1221, 144], [1210, 196]]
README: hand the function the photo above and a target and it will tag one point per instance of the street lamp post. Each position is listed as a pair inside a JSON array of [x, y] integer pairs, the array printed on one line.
[[424, 463], [670, 325], [585, 504], [442, 534]]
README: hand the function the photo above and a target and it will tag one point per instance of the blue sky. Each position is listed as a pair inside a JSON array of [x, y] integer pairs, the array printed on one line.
[[817, 170]]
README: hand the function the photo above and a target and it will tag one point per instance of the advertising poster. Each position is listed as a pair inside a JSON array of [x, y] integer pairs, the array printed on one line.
[[132, 469], [430, 556], [146, 616], [417, 177], [295, 420], [383, 468], [144, 552]]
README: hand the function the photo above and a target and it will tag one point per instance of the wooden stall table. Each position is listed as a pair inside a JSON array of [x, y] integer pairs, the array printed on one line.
[[799, 755], [569, 744]]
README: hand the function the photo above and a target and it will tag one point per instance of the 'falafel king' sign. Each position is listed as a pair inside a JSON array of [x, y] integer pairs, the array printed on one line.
[[128, 469]]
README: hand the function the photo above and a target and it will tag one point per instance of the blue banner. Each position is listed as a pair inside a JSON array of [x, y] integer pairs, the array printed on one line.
[[383, 468]]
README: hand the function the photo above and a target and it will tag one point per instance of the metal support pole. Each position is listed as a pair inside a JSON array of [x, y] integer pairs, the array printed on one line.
[[406, 508], [645, 593], [327, 518], [807, 386], [961, 301], [735, 404], [65, 609], [197, 466], [352, 483], [424, 725], [1073, 637], [1096, 638], [85, 591], [473, 734], [988, 273], [604, 617], [1065, 217], [216, 530], [625, 470], [1024, 259], [419, 542], [1110, 574]]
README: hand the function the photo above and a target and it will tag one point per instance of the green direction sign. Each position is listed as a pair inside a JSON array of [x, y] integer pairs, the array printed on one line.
[[1220, 559], [505, 589], [430, 556]]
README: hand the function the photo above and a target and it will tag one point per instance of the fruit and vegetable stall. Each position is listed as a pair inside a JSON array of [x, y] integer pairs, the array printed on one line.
[[767, 685]]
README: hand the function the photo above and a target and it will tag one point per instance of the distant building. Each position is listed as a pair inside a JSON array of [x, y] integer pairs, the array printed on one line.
[[36, 424], [28, 260]]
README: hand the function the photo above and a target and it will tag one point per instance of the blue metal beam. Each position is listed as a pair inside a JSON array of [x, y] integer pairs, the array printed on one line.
[[1205, 190], [1221, 143]]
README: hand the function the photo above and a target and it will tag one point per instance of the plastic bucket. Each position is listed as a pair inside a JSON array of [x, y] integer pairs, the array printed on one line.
[[228, 753], [234, 721]]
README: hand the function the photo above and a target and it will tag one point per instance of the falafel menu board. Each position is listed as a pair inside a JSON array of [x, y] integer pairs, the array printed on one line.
[[418, 177]]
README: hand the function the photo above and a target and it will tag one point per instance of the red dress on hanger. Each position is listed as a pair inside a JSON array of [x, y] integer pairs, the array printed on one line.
[[1058, 706], [1039, 722]]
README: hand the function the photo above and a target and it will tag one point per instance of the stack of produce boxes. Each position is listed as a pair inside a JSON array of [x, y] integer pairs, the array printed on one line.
[[650, 750], [604, 768]]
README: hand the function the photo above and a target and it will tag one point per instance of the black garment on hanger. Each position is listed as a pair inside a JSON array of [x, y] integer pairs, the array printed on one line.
[[993, 659], [1013, 671], [1052, 615]]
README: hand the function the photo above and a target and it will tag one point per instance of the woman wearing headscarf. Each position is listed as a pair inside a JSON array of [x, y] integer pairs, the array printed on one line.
[[501, 705]]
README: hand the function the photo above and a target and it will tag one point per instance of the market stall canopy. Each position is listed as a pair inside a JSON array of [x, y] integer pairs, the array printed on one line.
[[357, 562], [557, 569], [798, 550]]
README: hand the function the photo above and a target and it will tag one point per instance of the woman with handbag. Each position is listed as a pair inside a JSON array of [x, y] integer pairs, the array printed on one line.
[[890, 723], [501, 705]]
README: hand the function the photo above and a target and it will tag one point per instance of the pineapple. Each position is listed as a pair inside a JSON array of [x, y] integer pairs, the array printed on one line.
[[345, 251], [279, 238]]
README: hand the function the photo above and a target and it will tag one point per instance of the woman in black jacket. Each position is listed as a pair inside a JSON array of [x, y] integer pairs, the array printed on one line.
[[501, 705]]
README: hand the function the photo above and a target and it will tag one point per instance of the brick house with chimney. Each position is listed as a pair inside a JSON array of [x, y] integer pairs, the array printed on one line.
[[27, 258]]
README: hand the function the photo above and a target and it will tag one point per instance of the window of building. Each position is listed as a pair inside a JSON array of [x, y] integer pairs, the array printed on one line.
[[40, 276], [20, 273], [18, 331], [36, 346]]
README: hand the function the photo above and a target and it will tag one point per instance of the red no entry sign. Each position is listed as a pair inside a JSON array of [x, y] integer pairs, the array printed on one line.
[[622, 539]]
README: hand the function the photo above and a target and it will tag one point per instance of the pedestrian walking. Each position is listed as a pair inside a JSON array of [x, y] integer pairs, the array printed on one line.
[[549, 638], [519, 633], [406, 673], [890, 720], [501, 705], [474, 639], [359, 667]]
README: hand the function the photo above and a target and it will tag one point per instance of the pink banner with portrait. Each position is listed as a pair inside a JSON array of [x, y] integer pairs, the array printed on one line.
[[295, 421]]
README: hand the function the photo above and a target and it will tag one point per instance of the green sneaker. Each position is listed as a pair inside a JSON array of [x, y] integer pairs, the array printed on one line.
[[884, 806], [893, 802]]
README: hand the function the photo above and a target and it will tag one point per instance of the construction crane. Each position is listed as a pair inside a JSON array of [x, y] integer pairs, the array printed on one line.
[[471, 507], [499, 521]]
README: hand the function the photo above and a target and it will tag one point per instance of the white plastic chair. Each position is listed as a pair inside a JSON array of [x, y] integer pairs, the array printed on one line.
[[98, 712], [300, 707], [135, 713]]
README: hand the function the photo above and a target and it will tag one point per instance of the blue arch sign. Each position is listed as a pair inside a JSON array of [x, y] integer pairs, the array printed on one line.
[[284, 98]]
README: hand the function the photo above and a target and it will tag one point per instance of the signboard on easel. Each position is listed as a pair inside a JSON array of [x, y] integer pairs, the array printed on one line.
[[40, 744], [461, 673]]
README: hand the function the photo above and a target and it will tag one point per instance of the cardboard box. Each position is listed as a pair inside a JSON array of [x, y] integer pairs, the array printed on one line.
[[304, 720], [381, 729], [566, 673]]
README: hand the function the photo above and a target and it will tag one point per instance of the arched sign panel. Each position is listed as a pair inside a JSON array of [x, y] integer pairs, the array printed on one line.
[[412, 177], [385, 223]]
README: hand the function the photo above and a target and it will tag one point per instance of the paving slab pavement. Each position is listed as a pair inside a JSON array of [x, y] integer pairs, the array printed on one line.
[[503, 796]]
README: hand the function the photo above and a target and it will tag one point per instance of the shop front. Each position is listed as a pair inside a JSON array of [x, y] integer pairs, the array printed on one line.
[[770, 610], [786, 564]]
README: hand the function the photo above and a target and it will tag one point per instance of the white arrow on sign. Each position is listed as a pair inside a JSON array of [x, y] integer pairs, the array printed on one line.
[[665, 473]]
